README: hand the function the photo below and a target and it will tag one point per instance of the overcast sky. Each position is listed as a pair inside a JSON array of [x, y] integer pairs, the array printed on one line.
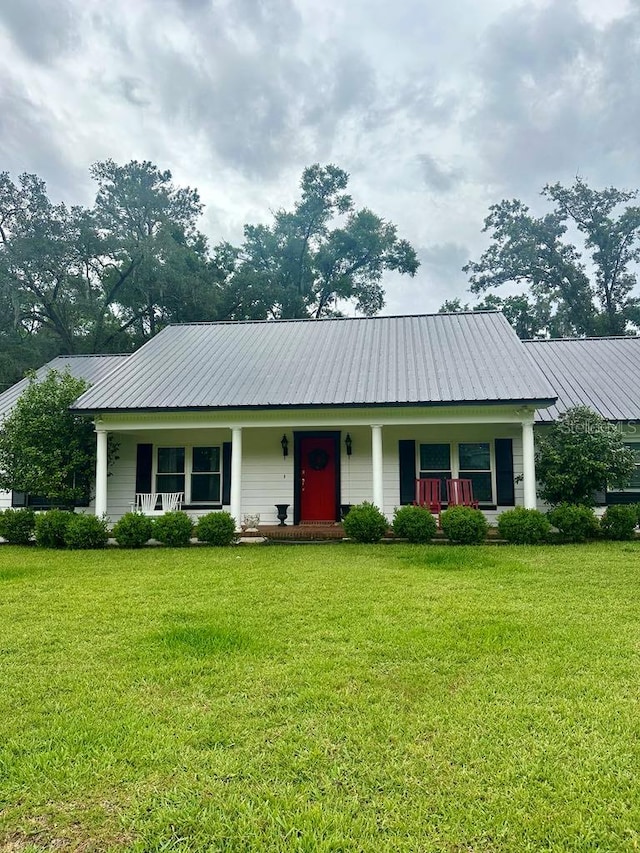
[[436, 109]]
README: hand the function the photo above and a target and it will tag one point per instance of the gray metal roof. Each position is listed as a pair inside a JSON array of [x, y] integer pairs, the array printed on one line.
[[602, 373], [93, 368], [434, 359]]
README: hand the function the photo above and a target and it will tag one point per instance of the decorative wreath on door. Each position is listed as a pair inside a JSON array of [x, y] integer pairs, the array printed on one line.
[[318, 459]]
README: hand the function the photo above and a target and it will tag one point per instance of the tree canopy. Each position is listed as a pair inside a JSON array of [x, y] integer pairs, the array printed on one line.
[[108, 277], [312, 257], [570, 289]]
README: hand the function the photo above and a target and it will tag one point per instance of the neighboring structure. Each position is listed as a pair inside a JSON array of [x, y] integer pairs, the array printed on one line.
[[318, 414]]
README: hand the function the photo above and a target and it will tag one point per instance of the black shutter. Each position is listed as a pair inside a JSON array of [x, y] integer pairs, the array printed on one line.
[[226, 473], [144, 466], [407, 465], [504, 472]]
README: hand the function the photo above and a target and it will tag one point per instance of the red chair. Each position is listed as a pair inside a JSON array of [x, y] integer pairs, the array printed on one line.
[[428, 495], [460, 493]]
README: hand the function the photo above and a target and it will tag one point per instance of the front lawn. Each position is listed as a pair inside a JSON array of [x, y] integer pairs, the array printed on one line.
[[320, 698]]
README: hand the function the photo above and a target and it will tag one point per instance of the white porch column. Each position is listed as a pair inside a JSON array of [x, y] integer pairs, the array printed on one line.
[[528, 465], [376, 461], [101, 472], [236, 475]]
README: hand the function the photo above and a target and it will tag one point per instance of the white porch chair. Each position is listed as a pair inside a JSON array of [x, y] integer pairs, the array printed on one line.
[[171, 501], [146, 503]]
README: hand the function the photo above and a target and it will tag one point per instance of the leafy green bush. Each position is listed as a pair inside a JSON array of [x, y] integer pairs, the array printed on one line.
[[51, 527], [365, 523], [522, 526], [618, 522], [464, 525], [414, 523], [217, 528], [86, 531], [173, 528], [581, 453], [637, 509], [17, 525], [577, 523], [133, 530]]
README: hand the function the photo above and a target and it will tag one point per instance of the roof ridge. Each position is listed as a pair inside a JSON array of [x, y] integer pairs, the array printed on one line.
[[330, 319], [92, 355], [588, 338]]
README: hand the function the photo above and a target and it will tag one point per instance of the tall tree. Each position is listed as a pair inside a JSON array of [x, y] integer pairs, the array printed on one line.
[[570, 291], [152, 260], [108, 277], [312, 257]]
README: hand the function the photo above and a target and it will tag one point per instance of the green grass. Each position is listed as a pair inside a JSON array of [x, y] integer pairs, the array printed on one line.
[[346, 698]]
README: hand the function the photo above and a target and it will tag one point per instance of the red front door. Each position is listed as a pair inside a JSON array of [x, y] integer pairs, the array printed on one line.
[[317, 479]]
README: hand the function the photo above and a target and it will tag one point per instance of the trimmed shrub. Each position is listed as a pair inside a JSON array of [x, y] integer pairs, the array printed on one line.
[[17, 525], [133, 530], [173, 528], [522, 526], [365, 523], [51, 527], [414, 523], [637, 509], [86, 531], [576, 523], [464, 525], [217, 528], [619, 522]]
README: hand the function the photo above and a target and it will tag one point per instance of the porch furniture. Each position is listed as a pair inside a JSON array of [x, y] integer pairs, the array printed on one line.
[[171, 501], [146, 502], [460, 493], [428, 495]]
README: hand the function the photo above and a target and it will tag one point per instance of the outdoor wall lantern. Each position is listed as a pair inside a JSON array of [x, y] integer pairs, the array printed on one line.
[[284, 442], [348, 444]]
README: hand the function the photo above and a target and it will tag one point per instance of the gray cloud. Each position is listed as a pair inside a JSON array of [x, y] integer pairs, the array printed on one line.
[[42, 29], [28, 127], [437, 177], [558, 96]]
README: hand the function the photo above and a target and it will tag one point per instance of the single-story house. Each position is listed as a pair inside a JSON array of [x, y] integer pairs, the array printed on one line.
[[317, 415]]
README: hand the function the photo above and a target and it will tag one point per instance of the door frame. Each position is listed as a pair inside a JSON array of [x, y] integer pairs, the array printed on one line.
[[298, 435]]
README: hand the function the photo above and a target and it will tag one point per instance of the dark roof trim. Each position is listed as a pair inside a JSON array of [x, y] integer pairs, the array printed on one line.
[[439, 404]]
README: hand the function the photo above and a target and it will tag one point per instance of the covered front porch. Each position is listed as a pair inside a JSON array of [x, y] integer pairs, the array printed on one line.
[[314, 462]]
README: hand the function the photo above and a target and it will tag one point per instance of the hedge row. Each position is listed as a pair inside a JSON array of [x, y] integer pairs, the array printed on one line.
[[58, 528], [519, 526], [364, 523]]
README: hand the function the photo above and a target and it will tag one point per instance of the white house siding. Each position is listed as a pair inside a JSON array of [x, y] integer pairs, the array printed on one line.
[[5, 500], [268, 477]]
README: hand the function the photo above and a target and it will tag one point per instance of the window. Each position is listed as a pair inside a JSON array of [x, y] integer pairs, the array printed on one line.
[[467, 460], [475, 465], [634, 484], [205, 475], [170, 473], [195, 471], [435, 464]]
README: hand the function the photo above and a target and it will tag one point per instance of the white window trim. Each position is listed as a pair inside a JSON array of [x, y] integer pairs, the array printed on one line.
[[188, 470]]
